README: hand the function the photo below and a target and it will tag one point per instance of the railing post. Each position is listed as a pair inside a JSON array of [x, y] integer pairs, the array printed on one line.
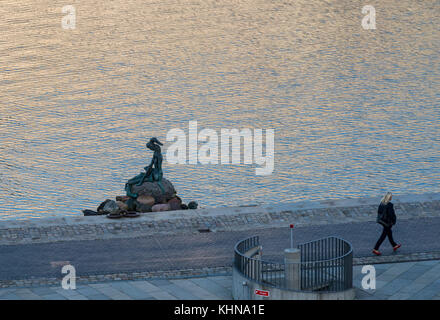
[[291, 236], [292, 268]]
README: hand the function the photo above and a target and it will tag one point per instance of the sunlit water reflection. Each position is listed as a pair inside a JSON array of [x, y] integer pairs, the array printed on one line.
[[355, 112]]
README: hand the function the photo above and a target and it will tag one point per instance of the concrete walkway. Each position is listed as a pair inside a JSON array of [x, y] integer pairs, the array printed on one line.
[[402, 281], [197, 251], [395, 281], [188, 265]]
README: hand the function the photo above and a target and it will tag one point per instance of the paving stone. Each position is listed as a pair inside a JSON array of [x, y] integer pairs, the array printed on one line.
[[152, 290], [428, 263], [213, 287], [163, 295], [196, 290], [86, 290], [374, 297], [429, 276], [413, 288], [424, 295], [435, 287], [400, 296], [225, 281], [160, 282], [98, 297], [179, 292], [71, 294], [363, 294], [27, 294], [10, 296], [53, 296], [109, 291], [5, 291], [130, 290], [415, 272], [40, 291], [394, 286], [145, 286], [394, 271]]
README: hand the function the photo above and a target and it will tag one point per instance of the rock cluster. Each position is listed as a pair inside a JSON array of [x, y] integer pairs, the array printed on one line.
[[152, 197]]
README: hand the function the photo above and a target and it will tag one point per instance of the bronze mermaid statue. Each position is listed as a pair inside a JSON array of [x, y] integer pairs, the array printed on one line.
[[153, 172]]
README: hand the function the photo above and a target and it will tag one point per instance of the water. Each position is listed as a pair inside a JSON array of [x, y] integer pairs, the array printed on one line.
[[355, 111]]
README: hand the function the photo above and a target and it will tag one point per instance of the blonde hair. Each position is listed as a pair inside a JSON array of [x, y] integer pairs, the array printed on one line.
[[386, 198]]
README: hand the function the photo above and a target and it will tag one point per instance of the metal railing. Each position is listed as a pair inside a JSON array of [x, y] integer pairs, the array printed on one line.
[[326, 265]]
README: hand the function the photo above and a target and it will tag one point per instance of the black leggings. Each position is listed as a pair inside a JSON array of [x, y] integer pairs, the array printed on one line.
[[386, 232]]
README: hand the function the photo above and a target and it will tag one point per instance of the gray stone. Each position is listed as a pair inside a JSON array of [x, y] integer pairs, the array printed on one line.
[[110, 206], [154, 190], [142, 207], [175, 203], [193, 205], [144, 199], [122, 205], [160, 207]]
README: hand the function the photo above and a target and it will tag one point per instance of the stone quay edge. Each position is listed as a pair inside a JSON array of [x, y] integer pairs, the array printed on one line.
[[252, 217]]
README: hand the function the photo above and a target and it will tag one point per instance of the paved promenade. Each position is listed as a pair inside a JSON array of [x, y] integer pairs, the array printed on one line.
[[194, 249], [396, 281], [154, 256]]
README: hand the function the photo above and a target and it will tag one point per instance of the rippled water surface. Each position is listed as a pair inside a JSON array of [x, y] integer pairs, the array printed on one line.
[[355, 111]]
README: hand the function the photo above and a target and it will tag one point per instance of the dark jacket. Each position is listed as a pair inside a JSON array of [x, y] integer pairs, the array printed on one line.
[[386, 215]]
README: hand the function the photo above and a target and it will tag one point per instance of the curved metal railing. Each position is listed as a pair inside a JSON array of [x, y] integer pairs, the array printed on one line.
[[326, 265]]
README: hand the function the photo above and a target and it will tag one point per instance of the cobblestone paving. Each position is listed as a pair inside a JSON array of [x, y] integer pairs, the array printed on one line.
[[395, 281]]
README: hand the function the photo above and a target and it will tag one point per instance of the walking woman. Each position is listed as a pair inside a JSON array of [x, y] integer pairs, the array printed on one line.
[[387, 218]]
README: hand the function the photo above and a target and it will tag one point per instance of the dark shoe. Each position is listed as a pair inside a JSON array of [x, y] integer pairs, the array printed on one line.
[[376, 252], [397, 246], [114, 215], [132, 214], [90, 213]]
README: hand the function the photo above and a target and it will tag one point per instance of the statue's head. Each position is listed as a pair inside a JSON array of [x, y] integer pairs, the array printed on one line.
[[154, 144]]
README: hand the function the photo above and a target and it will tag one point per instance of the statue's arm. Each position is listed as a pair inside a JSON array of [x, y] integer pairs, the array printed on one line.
[[150, 165]]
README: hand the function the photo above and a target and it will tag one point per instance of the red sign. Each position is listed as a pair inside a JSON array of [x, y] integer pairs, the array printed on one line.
[[261, 293]]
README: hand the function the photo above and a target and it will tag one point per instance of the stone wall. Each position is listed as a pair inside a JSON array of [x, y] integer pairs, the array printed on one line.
[[244, 289], [216, 219]]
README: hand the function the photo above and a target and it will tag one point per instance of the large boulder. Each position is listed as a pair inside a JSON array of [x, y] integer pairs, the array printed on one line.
[[134, 205], [143, 199], [122, 205], [154, 190], [160, 207], [175, 203], [109, 207]]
